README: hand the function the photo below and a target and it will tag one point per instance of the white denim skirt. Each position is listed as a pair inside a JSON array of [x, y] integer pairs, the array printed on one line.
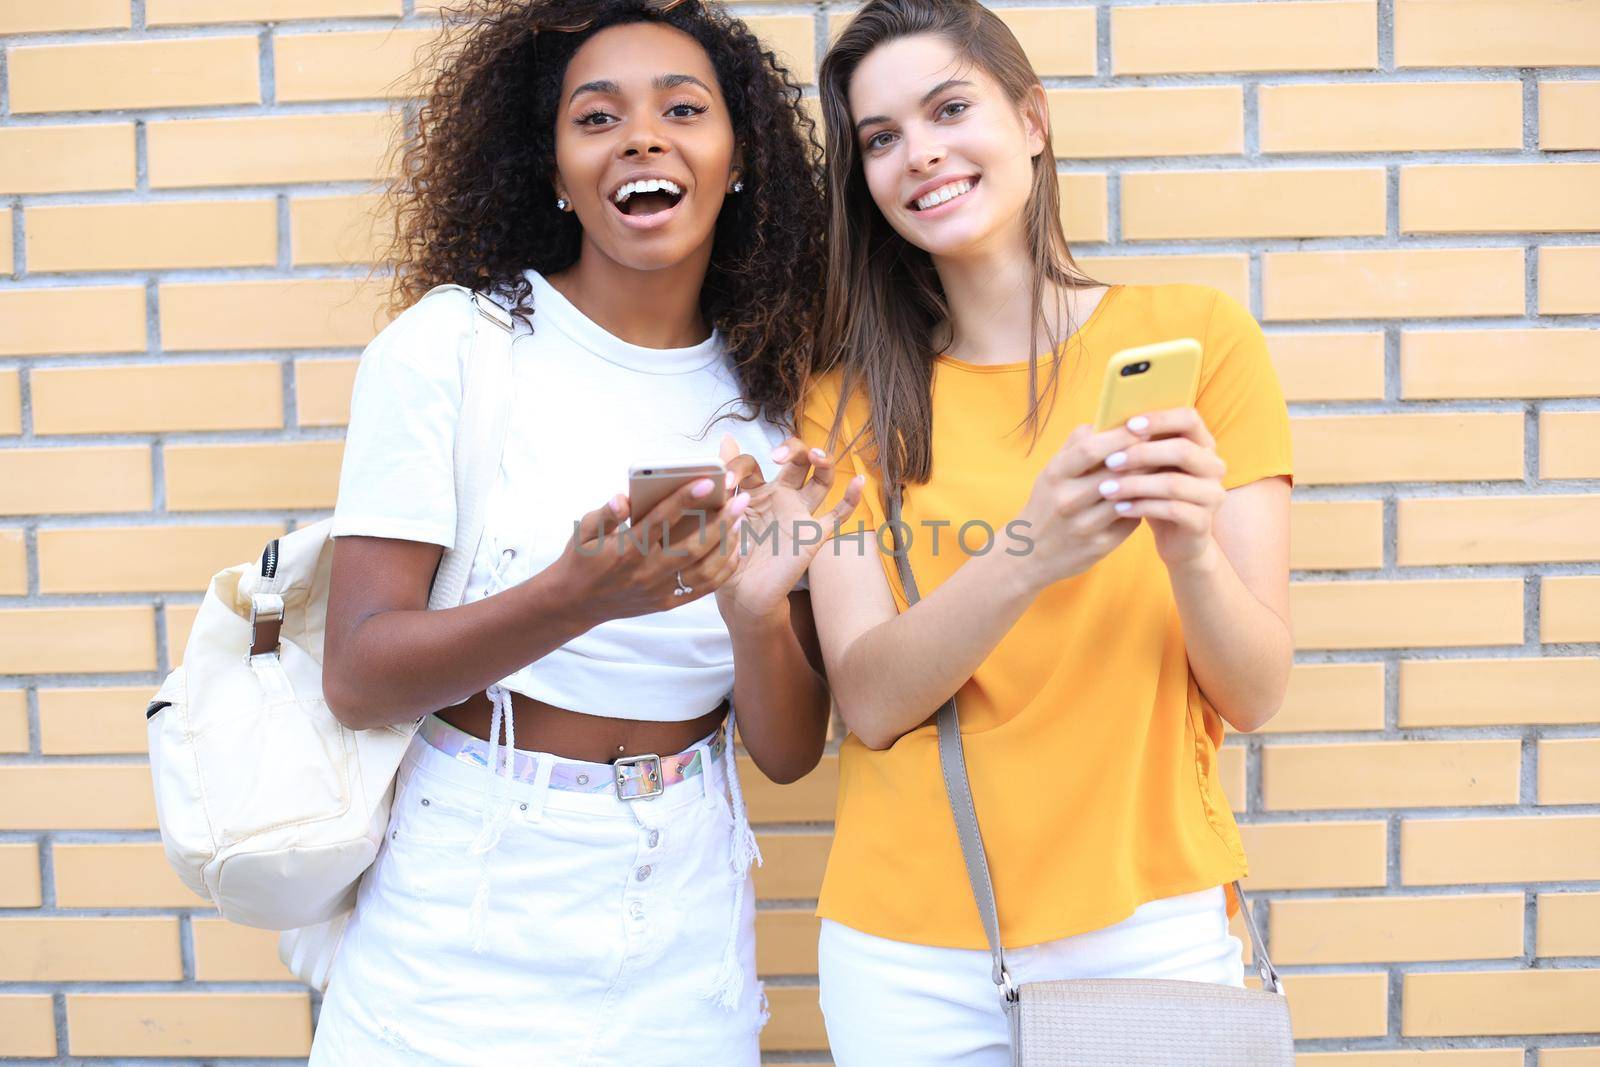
[[892, 1002], [594, 930]]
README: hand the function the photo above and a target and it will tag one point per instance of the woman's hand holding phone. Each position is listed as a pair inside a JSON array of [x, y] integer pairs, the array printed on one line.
[[616, 574], [1071, 523], [1170, 475], [780, 512]]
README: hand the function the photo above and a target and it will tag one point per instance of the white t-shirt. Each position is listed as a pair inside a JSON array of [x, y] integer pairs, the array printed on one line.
[[586, 406]]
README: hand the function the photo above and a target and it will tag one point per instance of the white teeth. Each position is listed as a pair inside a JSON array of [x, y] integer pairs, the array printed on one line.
[[648, 185], [943, 193]]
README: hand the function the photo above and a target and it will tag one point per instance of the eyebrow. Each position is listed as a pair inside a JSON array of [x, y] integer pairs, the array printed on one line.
[[661, 82], [948, 83]]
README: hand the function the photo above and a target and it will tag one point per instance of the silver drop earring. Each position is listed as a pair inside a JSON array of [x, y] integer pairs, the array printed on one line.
[[738, 186], [561, 203]]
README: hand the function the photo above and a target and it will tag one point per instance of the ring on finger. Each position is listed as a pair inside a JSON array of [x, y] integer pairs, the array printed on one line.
[[681, 590]]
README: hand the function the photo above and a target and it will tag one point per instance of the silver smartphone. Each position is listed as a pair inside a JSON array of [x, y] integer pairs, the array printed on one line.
[[651, 483]]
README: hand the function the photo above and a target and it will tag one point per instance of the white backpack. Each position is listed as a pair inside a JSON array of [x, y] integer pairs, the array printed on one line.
[[268, 806]]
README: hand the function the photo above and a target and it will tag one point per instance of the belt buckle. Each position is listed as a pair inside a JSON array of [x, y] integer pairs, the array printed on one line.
[[650, 776]]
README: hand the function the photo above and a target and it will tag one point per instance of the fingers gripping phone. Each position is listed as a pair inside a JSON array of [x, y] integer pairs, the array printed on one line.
[[651, 483], [1149, 378]]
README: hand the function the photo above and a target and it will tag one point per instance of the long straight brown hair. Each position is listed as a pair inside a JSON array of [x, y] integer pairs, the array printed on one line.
[[883, 299]]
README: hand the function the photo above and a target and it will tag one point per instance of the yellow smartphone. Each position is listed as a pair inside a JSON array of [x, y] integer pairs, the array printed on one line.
[[1149, 378]]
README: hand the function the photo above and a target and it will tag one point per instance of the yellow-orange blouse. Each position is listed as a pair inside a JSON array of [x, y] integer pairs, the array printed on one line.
[[1092, 752]]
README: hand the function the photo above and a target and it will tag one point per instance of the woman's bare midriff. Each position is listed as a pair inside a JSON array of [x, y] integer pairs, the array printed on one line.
[[544, 727]]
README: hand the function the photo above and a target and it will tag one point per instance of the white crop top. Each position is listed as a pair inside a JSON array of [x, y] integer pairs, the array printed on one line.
[[586, 406]]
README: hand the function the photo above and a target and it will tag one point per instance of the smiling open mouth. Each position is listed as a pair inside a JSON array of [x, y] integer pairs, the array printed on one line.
[[944, 194], [649, 197]]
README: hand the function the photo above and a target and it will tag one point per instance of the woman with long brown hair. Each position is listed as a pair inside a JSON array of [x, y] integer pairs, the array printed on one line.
[[635, 182], [1100, 603]]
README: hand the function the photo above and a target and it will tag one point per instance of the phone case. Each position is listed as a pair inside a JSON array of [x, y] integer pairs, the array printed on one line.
[[1149, 378]]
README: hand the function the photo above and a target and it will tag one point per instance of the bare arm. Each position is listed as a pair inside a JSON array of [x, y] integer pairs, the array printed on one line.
[[782, 697]]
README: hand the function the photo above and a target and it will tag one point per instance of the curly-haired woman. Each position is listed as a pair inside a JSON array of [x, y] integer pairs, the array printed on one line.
[[637, 181]]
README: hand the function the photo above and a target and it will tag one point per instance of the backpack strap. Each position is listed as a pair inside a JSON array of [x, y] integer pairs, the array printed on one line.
[[480, 438]]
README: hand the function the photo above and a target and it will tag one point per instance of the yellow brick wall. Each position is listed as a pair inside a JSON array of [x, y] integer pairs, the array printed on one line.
[[1405, 192]]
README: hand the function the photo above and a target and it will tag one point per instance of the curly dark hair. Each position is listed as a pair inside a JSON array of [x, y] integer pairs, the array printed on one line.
[[472, 200]]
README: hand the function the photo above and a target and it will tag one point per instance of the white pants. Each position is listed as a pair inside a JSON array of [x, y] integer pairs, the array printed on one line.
[[888, 1003], [606, 926]]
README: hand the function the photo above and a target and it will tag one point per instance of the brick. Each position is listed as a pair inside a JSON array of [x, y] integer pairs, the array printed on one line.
[[113, 75], [76, 796], [1390, 614], [19, 880], [796, 1024], [1085, 215], [118, 876], [291, 474], [1453, 1057], [1230, 273], [1567, 276], [10, 403], [189, 1024], [337, 229], [1455, 447], [1393, 117], [180, 620], [1569, 444], [136, 559], [87, 639], [1568, 924], [790, 37], [1500, 198], [57, 159], [13, 563], [364, 65], [152, 236], [1444, 364], [1337, 1005], [811, 799], [227, 952], [13, 721], [55, 322], [1569, 115], [1514, 848], [1201, 38], [1325, 202], [19, 16], [1391, 929], [291, 313], [156, 398], [1496, 33], [1573, 1056], [1491, 692], [1309, 855], [1331, 696], [322, 389], [74, 480], [1498, 529], [1099, 123], [195, 12], [1501, 1002], [89, 950], [27, 1025], [786, 941], [1335, 534], [1390, 774], [93, 721], [793, 865], [270, 148], [1392, 283], [1059, 41], [1569, 770], [1569, 609]]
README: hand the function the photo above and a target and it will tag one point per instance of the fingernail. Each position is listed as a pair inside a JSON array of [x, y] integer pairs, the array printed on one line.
[[740, 502], [616, 504], [731, 480], [1122, 507], [819, 453], [702, 487], [781, 453], [1138, 424], [1116, 459], [1108, 487]]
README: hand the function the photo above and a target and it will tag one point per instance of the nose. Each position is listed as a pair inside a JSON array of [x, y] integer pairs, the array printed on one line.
[[924, 155], [643, 140]]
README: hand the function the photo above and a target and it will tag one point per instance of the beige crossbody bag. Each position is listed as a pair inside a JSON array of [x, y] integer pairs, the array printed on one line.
[[1109, 1022]]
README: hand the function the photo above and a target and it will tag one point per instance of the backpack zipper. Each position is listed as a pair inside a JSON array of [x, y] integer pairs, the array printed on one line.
[[269, 559]]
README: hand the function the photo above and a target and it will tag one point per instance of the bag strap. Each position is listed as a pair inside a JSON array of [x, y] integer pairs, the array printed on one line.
[[953, 765], [479, 441]]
